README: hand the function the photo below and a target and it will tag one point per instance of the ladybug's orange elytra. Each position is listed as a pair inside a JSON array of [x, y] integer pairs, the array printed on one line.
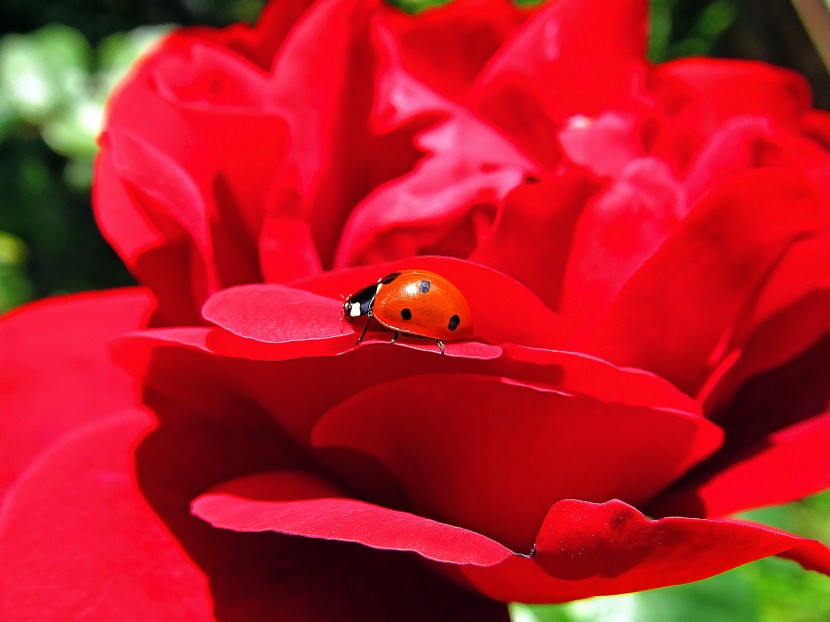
[[414, 302]]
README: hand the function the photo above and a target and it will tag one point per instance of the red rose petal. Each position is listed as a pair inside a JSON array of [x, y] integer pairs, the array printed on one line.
[[126, 559], [447, 46], [816, 125], [687, 294], [50, 349], [447, 203], [171, 200], [701, 95], [538, 216], [99, 548], [586, 549], [616, 233], [492, 454], [286, 248], [788, 465], [575, 372], [192, 223], [791, 313], [276, 313], [303, 504], [150, 257], [777, 428], [226, 344], [297, 323], [621, 538], [210, 432], [736, 147], [556, 67], [259, 43], [181, 362], [803, 272], [605, 144], [154, 355], [503, 310], [752, 142], [325, 95], [727, 89], [205, 76]]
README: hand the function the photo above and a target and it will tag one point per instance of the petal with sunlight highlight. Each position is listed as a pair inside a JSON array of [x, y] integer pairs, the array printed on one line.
[[302, 504]]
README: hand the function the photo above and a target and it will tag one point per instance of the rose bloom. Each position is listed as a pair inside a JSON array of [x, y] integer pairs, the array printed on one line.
[[645, 253]]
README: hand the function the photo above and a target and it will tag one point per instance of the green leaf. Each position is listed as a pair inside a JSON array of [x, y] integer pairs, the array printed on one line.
[[15, 288], [725, 597]]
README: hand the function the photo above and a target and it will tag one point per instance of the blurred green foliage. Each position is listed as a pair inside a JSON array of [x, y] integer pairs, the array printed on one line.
[[677, 30], [58, 63], [53, 85]]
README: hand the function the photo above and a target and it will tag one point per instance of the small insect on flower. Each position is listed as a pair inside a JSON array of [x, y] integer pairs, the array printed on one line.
[[413, 302]]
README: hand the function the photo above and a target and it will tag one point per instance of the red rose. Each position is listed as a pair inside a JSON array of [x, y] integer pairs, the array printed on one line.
[[644, 251]]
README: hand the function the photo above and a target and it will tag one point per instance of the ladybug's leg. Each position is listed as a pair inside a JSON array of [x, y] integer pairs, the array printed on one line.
[[365, 327], [395, 337], [440, 345]]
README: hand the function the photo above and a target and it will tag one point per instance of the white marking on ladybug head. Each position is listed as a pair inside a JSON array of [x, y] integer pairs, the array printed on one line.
[[353, 309]]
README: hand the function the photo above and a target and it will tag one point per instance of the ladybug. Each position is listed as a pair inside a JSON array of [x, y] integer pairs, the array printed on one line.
[[413, 302]]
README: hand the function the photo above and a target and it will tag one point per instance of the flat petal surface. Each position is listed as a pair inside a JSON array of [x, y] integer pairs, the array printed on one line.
[[50, 348], [301, 504], [285, 323]]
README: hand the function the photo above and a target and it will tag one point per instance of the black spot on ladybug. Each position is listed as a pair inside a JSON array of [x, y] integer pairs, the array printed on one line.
[[454, 322], [530, 179], [389, 278], [406, 314], [424, 287]]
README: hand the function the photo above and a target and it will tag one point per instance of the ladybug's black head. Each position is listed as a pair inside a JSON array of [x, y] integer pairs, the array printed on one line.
[[351, 310], [360, 303]]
